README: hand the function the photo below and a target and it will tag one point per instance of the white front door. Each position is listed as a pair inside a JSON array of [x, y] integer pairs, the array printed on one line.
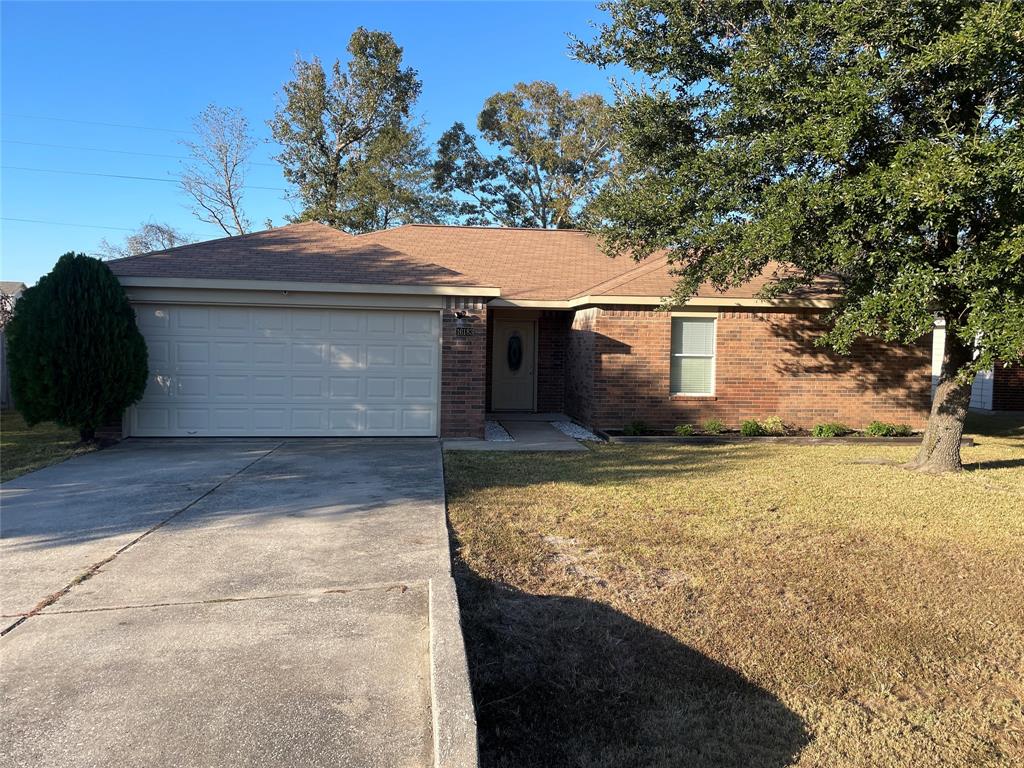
[[267, 371], [513, 365]]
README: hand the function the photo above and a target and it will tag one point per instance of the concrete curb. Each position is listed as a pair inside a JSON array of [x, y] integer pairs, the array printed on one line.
[[791, 439], [451, 700]]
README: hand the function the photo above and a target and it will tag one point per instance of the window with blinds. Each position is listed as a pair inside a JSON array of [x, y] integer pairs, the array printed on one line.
[[693, 356]]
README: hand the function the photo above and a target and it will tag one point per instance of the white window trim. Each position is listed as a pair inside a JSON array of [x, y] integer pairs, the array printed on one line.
[[713, 356]]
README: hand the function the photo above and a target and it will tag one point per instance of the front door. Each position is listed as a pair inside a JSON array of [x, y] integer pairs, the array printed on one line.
[[513, 369]]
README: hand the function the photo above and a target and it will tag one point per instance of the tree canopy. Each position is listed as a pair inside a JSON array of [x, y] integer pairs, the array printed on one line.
[[878, 142], [75, 354], [552, 152], [348, 141]]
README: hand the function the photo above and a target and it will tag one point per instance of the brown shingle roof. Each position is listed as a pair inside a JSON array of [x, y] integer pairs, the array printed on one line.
[[537, 264], [526, 264], [307, 252]]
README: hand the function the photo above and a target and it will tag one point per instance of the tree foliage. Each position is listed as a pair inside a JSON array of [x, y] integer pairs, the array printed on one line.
[[879, 142], [552, 153], [152, 236], [214, 176], [75, 354], [348, 141]]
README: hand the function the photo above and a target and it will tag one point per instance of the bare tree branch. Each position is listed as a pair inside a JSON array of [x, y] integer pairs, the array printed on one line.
[[215, 176], [152, 236]]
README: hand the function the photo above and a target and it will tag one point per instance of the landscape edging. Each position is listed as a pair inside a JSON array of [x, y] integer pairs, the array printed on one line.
[[794, 439]]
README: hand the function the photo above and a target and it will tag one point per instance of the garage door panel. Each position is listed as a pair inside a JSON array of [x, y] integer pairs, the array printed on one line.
[[418, 389], [231, 387], [417, 419], [275, 372], [306, 387], [381, 419], [345, 387], [418, 356], [270, 353], [347, 322], [232, 353], [193, 385], [270, 387], [191, 352], [378, 355], [192, 420], [346, 356], [192, 318]]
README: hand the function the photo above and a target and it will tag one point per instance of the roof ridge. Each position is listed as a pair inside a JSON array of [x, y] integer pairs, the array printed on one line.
[[479, 226]]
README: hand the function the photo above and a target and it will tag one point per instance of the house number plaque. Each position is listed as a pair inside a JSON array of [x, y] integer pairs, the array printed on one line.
[[463, 330]]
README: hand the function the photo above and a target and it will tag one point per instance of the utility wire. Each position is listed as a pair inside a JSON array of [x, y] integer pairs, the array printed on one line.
[[94, 122], [116, 176], [112, 151], [63, 223]]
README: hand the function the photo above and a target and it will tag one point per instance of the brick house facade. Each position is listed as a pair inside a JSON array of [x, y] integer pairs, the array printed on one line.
[[766, 364], [393, 333]]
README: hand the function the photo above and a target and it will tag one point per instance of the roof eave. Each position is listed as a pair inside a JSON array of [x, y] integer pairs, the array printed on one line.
[[580, 302], [421, 289]]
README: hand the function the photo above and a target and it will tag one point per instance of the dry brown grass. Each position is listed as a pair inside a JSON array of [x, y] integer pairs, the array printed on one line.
[[25, 449], [747, 605]]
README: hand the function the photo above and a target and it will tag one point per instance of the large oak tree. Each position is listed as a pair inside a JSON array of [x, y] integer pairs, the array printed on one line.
[[879, 141], [349, 143], [545, 155]]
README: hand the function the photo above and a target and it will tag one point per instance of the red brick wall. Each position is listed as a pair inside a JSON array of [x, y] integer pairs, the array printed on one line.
[[579, 366], [552, 334], [766, 365], [1008, 388], [463, 369]]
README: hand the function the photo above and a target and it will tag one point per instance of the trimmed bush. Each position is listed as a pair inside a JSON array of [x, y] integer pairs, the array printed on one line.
[[684, 430], [751, 428], [714, 426], [883, 429], [635, 428], [76, 356], [831, 429], [773, 426]]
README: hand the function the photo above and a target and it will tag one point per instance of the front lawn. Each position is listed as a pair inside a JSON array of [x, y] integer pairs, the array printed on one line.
[[24, 449], [744, 605]]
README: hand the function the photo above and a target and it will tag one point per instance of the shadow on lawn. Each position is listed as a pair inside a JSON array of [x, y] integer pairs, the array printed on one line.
[[561, 681]]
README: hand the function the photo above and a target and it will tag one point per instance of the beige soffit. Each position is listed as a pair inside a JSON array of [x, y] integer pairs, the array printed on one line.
[[654, 301], [484, 291]]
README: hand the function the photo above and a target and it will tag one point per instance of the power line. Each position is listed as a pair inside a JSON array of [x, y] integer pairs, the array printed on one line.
[[63, 223], [115, 176], [113, 151], [94, 122]]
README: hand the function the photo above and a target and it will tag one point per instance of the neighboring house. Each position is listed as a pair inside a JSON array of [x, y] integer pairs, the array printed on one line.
[[1001, 388], [421, 330], [9, 293]]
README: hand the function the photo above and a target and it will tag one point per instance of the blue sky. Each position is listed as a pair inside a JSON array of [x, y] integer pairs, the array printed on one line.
[[154, 66]]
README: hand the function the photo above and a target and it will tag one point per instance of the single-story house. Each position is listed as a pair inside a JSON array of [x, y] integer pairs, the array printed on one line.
[[421, 330]]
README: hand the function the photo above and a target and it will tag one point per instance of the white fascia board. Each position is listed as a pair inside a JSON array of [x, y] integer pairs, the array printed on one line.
[[310, 287], [656, 301]]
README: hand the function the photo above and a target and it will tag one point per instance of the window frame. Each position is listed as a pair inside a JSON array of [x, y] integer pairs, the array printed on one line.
[[713, 356]]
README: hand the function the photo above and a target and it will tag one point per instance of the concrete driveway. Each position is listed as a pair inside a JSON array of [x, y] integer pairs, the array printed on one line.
[[222, 602]]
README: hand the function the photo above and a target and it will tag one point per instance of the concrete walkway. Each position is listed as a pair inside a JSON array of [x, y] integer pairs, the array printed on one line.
[[229, 602], [527, 435]]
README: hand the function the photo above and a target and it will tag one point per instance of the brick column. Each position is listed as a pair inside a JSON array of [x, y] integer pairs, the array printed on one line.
[[463, 367]]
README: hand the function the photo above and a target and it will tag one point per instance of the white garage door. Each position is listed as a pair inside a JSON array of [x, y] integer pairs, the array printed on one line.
[[232, 371]]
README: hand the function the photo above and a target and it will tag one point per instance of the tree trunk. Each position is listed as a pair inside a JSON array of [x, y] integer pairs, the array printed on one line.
[[940, 448]]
